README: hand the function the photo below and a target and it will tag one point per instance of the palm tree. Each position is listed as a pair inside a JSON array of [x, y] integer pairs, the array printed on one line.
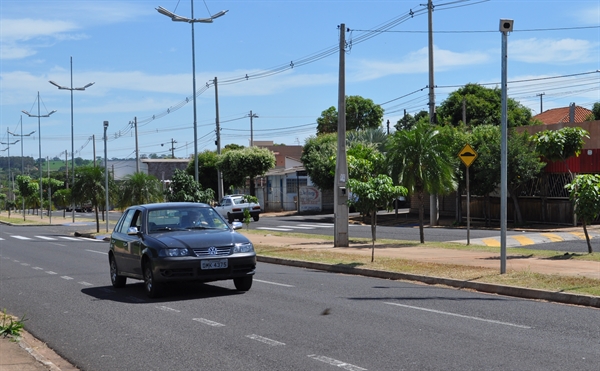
[[139, 188], [420, 160], [89, 187]]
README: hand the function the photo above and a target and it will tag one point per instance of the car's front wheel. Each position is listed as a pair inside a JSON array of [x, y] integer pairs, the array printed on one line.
[[243, 283], [115, 278], [255, 217], [151, 287]]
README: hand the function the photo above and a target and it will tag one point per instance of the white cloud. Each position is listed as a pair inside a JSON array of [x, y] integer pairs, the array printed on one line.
[[590, 15], [552, 51], [418, 62]]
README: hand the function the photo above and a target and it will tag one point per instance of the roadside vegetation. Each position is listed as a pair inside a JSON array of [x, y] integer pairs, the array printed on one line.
[[10, 327], [526, 279]]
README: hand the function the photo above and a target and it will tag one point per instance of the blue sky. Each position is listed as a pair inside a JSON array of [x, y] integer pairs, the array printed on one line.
[[141, 63]]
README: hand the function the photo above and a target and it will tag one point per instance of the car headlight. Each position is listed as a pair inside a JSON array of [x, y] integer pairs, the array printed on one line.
[[243, 247], [173, 252]]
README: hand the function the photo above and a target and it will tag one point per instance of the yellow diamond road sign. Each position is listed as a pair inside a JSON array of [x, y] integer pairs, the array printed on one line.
[[467, 155]]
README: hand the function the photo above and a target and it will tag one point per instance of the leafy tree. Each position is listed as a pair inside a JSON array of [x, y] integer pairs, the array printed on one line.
[[483, 106], [560, 145], [185, 189], [139, 188], [524, 165], [584, 191], [374, 136], [408, 121], [318, 158], [89, 187], [28, 189], [239, 165], [207, 170], [61, 197], [420, 161], [595, 115], [232, 146], [361, 113]]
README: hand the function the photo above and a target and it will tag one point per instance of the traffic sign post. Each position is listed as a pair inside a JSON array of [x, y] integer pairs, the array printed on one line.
[[468, 155]]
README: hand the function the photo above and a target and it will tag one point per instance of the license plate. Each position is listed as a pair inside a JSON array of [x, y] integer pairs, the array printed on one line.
[[213, 264]]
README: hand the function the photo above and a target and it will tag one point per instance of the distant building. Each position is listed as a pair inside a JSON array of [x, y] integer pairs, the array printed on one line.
[[563, 115]]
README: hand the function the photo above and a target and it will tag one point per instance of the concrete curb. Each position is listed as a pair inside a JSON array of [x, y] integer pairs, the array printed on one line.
[[559, 297]]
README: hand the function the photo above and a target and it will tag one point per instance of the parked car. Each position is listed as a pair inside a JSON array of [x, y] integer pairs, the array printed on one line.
[[232, 207], [178, 241]]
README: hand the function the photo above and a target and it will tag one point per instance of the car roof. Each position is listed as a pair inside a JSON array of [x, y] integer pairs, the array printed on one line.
[[167, 205]]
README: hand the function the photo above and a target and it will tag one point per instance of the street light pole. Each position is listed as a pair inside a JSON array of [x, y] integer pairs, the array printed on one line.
[[252, 115], [22, 162], [40, 147], [61, 87], [176, 18], [106, 174], [8, 143]]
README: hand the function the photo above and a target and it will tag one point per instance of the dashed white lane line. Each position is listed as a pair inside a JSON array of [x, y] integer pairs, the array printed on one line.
[[21, 237], [273, 283], [317, 225], [168, 309], [208, 322], [335, 362], [265, 340], [97, 252], [275, 229], [46, 238], [50, 272], [458, 315], [70, 238], [66, 278], [85, 283]]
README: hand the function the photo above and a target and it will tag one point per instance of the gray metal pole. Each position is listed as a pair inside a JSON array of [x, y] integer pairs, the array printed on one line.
[[72, 148], [219, 174], [40, 157], [194, 86], [137, 150], [106, 174], [503, 150], [49, 192], [433, 207], [341, 165]]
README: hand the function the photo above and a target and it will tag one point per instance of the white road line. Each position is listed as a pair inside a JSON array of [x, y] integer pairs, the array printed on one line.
[[458, 315], [295, 227], [97, 252], [21, 237], [208, 322], [1, 239], [38, 268], [50, 272], [275, 229], [317, 225], [335, 362], [66, 278], [57, 244], [265, 340], [70, 238], [273, 283], [25, 264], [165, 308], [46, 238], [85, 283]]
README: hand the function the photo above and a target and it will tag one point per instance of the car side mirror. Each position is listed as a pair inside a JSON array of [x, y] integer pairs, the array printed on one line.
[[133, 231]]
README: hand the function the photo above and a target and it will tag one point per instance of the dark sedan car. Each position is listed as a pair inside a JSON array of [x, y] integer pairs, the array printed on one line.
[[178, 241]]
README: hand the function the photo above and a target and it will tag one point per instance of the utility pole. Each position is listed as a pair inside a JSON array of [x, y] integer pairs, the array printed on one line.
[[137, 151], [433, 207], [541, 102], [218, 143], [340, 196], [94, 145], [251, 115], [173, 141]]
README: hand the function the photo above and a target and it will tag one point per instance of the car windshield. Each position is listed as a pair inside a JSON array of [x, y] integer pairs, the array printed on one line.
[[182, 218]]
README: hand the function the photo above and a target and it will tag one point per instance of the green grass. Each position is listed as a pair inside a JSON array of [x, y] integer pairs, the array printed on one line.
[[11, 327]]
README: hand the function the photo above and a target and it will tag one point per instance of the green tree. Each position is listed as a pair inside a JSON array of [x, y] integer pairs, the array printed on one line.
[[239, 165], [361, 113], [560, 145], [584, 191], [371, 195], [207, 170], [408, 121], [28, 189], [318, 157], [139, 188], [595, 115], [372, 136], [483, 106], [420, 161], [184, 188], [89, 187]]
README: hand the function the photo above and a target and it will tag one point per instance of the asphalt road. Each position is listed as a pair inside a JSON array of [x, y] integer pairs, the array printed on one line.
[[291, 319]]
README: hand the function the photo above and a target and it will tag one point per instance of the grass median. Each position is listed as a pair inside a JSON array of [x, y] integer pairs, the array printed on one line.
[[526, 279]]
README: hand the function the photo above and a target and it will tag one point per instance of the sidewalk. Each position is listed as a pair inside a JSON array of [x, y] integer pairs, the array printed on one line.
[[30, 354]]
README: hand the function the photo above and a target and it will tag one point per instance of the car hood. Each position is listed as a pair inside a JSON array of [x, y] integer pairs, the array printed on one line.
[[200, 238]]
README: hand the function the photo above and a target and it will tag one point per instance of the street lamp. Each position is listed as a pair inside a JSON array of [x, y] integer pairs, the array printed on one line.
[[40, 146], [61, 87], [176, 18], [22, 162]]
